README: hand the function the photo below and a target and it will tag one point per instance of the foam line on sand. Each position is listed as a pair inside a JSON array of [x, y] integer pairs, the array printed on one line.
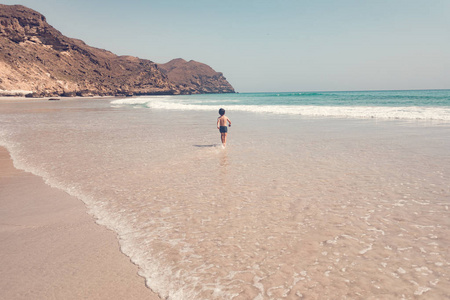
[[52, 249]]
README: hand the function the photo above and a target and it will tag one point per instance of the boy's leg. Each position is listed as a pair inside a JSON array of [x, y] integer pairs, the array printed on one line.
[[223, 137]]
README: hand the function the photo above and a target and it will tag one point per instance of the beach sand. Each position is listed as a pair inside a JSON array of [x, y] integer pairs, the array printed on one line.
[[52, 249]]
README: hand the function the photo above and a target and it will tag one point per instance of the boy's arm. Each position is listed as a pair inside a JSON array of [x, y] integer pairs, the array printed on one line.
[[218, 123], [229, 122]]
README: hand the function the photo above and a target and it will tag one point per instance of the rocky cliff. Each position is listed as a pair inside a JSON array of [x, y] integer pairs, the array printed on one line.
[[195, 77], [36, 59]]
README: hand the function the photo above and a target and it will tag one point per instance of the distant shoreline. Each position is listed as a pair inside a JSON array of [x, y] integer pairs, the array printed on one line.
[[6, 98]]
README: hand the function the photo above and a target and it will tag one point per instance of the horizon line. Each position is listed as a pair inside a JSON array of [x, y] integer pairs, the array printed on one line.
[[334, 91]]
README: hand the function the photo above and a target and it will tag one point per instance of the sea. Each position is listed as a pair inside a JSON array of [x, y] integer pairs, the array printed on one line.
[[317, 195]]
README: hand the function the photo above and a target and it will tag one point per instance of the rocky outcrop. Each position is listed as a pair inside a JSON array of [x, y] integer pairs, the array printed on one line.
[[36, 57], [195, 77]]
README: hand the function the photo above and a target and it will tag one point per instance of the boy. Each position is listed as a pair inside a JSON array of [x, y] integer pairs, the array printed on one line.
[[222, 126]]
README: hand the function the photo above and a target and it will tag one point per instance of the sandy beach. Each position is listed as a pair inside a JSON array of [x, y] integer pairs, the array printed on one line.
[[52, 249], [331, 184]]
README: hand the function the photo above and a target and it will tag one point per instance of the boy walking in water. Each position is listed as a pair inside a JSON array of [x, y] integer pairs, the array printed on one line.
[[222, 126]]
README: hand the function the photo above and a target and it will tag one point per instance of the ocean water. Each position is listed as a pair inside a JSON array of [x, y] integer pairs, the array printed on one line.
[[317, 196], [409, 105]]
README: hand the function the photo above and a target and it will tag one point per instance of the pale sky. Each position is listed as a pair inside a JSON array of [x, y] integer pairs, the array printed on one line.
[[276, 45]]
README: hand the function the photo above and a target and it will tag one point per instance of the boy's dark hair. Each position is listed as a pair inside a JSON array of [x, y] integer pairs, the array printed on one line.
[[221, 111]]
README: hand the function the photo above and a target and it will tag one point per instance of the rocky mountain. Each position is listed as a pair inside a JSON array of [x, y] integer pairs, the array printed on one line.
[[195, 76], [37, 60]]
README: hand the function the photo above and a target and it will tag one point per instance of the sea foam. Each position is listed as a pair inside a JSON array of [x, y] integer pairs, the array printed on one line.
[[358, 112]]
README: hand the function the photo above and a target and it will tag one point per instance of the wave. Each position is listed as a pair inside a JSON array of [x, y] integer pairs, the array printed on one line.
[[359, 112]]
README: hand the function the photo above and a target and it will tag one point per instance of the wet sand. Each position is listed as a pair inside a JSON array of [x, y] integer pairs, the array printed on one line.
[[52, 249]]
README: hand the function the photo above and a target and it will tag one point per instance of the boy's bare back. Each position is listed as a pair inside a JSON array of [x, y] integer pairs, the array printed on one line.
[[222, 121]]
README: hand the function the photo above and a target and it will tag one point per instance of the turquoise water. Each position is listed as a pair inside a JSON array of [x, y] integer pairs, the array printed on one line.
[[408, 105], [428, 98]]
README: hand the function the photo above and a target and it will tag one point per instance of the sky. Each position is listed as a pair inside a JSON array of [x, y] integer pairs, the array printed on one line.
[[276, 45]]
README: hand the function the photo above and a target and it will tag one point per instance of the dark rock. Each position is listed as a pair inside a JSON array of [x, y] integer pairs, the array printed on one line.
[[69, 94]]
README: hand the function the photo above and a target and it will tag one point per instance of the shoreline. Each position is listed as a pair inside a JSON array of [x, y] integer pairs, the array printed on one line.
[[18, 98], [52, 248]]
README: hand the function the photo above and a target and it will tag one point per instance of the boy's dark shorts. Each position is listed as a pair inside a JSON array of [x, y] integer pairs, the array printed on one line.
[[223, 129]]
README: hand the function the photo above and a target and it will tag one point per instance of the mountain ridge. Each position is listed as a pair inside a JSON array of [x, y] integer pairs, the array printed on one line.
[[39, 61]]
